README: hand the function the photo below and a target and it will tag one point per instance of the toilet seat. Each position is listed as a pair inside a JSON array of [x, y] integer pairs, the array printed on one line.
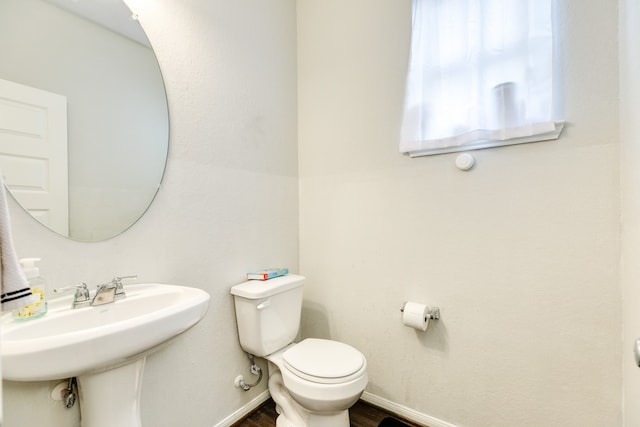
[[324, 361]]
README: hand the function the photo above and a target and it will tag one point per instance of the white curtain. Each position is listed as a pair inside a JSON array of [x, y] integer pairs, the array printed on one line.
[[480, 74]]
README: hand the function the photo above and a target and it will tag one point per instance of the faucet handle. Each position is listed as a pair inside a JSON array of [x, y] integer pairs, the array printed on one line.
[[82, 292], [117, 281]]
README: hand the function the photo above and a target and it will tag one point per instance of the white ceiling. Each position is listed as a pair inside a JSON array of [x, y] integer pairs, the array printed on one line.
[[111, 14]]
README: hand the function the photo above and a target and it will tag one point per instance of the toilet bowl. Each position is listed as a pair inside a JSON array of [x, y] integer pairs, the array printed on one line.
[[313, 382], [322, 375]]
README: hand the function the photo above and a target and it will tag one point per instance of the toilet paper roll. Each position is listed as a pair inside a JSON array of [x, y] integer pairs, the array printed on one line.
[[415, 316]]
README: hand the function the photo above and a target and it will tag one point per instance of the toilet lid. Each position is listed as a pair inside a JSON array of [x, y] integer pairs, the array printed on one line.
[[323, 360]]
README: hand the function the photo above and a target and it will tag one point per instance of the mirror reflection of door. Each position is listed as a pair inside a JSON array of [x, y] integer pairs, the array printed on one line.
[[33, 152], [117, 114]]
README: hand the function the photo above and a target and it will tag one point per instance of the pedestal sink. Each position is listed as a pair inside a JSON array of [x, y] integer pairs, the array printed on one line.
[[105, 346]]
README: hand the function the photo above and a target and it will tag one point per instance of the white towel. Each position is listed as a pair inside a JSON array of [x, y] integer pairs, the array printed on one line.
[[15, 291]]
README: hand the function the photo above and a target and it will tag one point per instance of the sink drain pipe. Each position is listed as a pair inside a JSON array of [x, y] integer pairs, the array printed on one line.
[[255, 370], [69, 396], [66, 391]]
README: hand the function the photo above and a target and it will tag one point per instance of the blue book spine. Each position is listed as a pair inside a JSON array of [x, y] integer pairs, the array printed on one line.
[[267, 274]]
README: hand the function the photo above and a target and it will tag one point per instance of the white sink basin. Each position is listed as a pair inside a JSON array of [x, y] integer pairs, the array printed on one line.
[[72, 342]]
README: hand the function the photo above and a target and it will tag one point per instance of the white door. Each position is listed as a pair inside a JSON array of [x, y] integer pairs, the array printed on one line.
[[33, 152]]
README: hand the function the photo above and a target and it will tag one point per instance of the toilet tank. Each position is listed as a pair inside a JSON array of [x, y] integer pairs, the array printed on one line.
[[268, 313]]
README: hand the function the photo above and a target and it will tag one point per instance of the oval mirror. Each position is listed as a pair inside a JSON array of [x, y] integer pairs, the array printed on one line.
[[84, 126]]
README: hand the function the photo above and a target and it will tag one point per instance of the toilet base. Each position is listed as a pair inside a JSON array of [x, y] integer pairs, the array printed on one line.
[[292, 414]]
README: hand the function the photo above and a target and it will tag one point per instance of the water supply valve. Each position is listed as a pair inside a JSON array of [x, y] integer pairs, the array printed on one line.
[[255, 370]]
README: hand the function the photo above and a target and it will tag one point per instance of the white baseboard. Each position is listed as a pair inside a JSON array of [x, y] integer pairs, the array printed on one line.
[[245, 410], [378, 401], [403, 411]]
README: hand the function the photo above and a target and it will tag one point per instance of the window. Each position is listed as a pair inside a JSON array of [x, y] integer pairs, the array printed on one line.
[[480, 75]]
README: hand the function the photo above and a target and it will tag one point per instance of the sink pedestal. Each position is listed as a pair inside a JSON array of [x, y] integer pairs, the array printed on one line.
[[112, 397]]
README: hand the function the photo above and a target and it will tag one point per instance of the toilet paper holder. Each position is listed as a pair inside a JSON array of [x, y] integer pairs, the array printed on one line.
[[433, 313]]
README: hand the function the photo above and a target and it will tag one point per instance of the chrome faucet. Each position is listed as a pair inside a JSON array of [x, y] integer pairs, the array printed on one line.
[[81, 296], [105, 294], [111, 291]]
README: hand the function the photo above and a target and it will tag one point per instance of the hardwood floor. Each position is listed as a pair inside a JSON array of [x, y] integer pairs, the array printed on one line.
[[361, 414]]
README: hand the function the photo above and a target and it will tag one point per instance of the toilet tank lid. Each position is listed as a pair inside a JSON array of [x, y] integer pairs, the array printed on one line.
[[256, 289]]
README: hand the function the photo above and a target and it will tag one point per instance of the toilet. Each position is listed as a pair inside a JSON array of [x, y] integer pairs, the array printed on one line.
[[313, 382]]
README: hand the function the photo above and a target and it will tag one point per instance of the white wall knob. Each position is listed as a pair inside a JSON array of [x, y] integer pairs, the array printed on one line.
[[465, 161]]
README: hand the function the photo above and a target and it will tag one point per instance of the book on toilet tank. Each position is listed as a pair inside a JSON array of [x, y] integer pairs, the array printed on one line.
[[267, 274]]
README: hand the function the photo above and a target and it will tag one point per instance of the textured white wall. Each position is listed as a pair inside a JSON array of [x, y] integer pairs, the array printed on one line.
[[521, 254], [630, 179], [228, 203]]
